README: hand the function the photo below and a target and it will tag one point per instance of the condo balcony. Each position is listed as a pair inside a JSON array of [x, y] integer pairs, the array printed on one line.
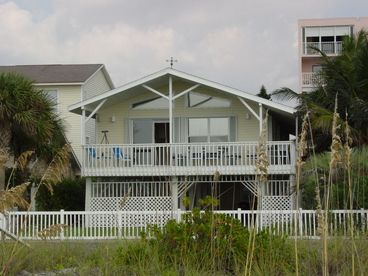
[[231, 158], [311, 80], [329, 48]]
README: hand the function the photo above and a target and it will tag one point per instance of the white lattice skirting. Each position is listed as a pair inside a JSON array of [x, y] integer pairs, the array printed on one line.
[[163, 203], [276, 203], [145, 203]]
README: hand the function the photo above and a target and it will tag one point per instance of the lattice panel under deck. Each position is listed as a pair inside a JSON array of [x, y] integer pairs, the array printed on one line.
[[129, 204], [276, 203]]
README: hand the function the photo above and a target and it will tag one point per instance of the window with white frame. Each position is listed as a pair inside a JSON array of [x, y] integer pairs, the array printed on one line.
[[208, 130]]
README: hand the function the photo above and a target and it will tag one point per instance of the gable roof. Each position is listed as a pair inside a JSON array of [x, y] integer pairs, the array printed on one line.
[[176, 73], [57, 73]]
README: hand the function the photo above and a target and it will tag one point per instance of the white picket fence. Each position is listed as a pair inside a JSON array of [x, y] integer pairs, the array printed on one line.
[[129, 224]]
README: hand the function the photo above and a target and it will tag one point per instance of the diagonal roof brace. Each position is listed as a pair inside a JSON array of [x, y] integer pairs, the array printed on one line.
[[155, 91], [95, 110], [249, 108]]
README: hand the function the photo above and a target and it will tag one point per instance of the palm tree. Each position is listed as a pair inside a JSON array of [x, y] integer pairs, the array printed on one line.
[[27, 120], [345, 76]]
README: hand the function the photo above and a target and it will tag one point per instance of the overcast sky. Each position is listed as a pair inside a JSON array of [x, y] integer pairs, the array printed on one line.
[[243, 44]]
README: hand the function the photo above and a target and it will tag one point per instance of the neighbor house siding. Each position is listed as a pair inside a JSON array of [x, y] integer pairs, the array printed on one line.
[[95, 86], [68, 95], [246, 129]]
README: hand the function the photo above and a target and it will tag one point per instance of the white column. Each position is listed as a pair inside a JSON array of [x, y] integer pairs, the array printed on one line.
[[174, 192], [170, 109], [83, 126], [294, 199], [88, 194], [260, 118]]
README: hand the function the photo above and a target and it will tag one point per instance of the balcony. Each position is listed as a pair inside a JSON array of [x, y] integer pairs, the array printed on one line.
[[184, 159], [311, 80], [329, 48]]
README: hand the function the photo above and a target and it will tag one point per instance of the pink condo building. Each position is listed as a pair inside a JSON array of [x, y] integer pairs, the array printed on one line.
[[326, 35]]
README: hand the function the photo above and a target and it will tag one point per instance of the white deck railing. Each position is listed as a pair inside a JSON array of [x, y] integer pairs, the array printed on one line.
[[311, 79], [329, 48], [129, 224], [183, 159]]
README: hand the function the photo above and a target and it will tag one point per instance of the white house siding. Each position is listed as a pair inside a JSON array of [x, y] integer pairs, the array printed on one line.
[[68, 95], [246, 129], [91, 131], [95, 85]]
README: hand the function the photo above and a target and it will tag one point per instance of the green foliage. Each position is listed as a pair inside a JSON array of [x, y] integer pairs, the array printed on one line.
[[339, 192], [27, 117], [263, 93], [212, 242], [273, 256], [69, 195]]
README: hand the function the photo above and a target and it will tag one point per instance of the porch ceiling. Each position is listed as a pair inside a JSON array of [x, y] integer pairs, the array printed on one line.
[[159, 81]]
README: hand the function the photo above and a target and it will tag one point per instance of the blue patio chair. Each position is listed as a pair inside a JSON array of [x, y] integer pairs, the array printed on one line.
[[119, 154], [92, 152]]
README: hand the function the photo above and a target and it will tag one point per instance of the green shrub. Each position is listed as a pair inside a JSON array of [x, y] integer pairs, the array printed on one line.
[[205, 241], [68, 195]]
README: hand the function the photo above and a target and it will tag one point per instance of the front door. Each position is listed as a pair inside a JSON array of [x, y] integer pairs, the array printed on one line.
[[162, 136]]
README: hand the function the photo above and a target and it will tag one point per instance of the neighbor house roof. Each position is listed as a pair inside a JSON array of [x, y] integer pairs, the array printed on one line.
[[176, 73], [57, 73]]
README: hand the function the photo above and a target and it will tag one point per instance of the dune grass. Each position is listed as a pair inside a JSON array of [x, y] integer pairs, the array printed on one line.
[[142, 258]]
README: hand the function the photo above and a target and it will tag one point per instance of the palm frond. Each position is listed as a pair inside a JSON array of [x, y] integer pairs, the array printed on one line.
[[4, 156], [285, 94], [13, 197], [23, 159], [56, 168]]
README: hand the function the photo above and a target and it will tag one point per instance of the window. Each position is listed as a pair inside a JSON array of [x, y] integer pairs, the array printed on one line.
[[52, 95], [208, 130], [155, 103], [317, 68], [204, 101]]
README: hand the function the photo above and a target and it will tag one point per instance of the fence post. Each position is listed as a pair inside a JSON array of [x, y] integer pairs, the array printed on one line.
[[2, 226], [363, 220], [62, 222], [300, 222], [120, 224], [178, 215], [238, 214]]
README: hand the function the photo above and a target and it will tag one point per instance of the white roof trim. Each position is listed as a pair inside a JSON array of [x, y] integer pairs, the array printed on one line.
[[56, 83], [187, 76]]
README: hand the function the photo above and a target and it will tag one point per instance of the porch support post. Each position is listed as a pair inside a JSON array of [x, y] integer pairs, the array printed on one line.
[[296, 131], [88, 194], [260, 118], [170, 109], [83, 126], [294, 195], [174, 192]]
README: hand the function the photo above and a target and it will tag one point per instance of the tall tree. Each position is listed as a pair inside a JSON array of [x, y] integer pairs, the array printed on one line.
[[27, 120], [263, 93]]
